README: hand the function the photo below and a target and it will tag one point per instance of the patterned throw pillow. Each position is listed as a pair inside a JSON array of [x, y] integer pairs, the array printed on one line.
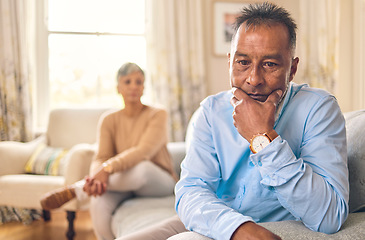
[[46, 160]]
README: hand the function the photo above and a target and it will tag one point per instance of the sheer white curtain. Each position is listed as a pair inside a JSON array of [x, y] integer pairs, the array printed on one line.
[[319, 31], [15, 85], [16, 29], [175, 59]]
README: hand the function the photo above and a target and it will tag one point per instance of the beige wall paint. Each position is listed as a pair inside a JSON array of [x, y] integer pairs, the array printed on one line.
[[217, 66], [344, 88]]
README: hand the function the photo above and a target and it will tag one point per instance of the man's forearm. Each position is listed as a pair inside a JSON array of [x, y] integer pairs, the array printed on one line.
[[307, 195], [201, 211]]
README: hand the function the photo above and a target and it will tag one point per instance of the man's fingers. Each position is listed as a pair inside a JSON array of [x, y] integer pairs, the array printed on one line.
[[239, 94], [234, 101], [275, 97]]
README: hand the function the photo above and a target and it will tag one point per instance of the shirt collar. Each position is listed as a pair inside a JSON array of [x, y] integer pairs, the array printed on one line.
[[283, 102]]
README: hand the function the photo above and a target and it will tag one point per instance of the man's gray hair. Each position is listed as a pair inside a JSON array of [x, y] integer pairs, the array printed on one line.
[[267, 13], [128, 68]]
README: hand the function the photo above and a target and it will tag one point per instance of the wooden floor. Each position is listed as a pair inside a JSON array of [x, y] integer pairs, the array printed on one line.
[[55, 229]]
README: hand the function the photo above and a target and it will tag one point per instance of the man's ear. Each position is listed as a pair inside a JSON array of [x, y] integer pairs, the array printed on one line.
[[293, 68]]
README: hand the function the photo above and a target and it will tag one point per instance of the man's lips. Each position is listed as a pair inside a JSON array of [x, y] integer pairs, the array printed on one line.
[[258, 97], [255, 96]]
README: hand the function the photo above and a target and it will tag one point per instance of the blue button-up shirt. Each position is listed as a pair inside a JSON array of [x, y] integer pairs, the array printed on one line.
[[302, 175]]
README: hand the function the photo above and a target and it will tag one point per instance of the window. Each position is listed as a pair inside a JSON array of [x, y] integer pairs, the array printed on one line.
[[88, 40]]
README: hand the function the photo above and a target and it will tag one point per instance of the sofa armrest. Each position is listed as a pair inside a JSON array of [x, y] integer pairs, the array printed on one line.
[[77, 164], [14, 155], [353, 228]]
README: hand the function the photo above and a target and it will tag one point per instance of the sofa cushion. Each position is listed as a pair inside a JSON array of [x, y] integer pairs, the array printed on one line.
[[353, 228], [355, 127], [138, 213], [189, 235], [12, 187]]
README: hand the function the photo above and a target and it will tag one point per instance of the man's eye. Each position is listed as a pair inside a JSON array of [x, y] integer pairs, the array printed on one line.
[[127, 82], [270, 64], [243, 62]]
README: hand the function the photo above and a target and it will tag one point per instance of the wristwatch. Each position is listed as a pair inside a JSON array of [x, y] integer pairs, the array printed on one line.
[[107, 167], [261, 140]]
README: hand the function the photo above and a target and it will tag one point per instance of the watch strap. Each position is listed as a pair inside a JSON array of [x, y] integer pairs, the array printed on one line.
[[272, 134]]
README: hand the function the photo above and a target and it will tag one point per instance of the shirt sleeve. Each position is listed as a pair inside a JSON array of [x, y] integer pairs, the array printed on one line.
[[313, 186], [197, 204]]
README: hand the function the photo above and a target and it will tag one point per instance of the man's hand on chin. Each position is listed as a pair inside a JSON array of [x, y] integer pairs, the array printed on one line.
[[253, 231], [250, 116]]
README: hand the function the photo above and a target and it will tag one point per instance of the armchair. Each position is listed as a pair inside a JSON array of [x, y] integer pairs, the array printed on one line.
[[71, 129]]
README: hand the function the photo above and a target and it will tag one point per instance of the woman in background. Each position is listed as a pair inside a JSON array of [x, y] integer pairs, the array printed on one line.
[[132, 157]]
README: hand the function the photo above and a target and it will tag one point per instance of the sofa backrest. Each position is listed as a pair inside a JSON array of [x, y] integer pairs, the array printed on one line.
[[355, 131], [177, 151], [68, 127]]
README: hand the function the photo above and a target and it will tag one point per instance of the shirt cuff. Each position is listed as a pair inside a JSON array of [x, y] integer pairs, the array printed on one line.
[[276, 163]]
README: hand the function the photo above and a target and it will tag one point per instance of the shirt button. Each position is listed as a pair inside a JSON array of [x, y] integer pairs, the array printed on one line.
[[251, 164], [271, 188], [260, 163]]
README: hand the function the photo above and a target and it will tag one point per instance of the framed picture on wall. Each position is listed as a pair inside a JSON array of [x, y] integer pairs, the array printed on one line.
[[224, 15]]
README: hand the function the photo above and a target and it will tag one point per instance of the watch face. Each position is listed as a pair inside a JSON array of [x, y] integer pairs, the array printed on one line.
[[259, 142]]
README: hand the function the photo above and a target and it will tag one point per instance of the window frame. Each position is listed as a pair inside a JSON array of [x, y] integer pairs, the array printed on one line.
[[41, 91]]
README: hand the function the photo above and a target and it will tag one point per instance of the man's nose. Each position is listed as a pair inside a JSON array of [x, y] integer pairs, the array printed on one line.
[[255, 77]]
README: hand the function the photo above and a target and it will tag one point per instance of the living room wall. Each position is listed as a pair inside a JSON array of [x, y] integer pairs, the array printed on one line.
[[345, 91]]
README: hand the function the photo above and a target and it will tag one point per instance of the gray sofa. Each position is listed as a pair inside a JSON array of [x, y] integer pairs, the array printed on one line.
[[137, 213]]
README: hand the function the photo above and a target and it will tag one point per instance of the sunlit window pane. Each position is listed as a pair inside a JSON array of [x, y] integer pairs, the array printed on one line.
[[83, 68], [116, 16], [83, 65]]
